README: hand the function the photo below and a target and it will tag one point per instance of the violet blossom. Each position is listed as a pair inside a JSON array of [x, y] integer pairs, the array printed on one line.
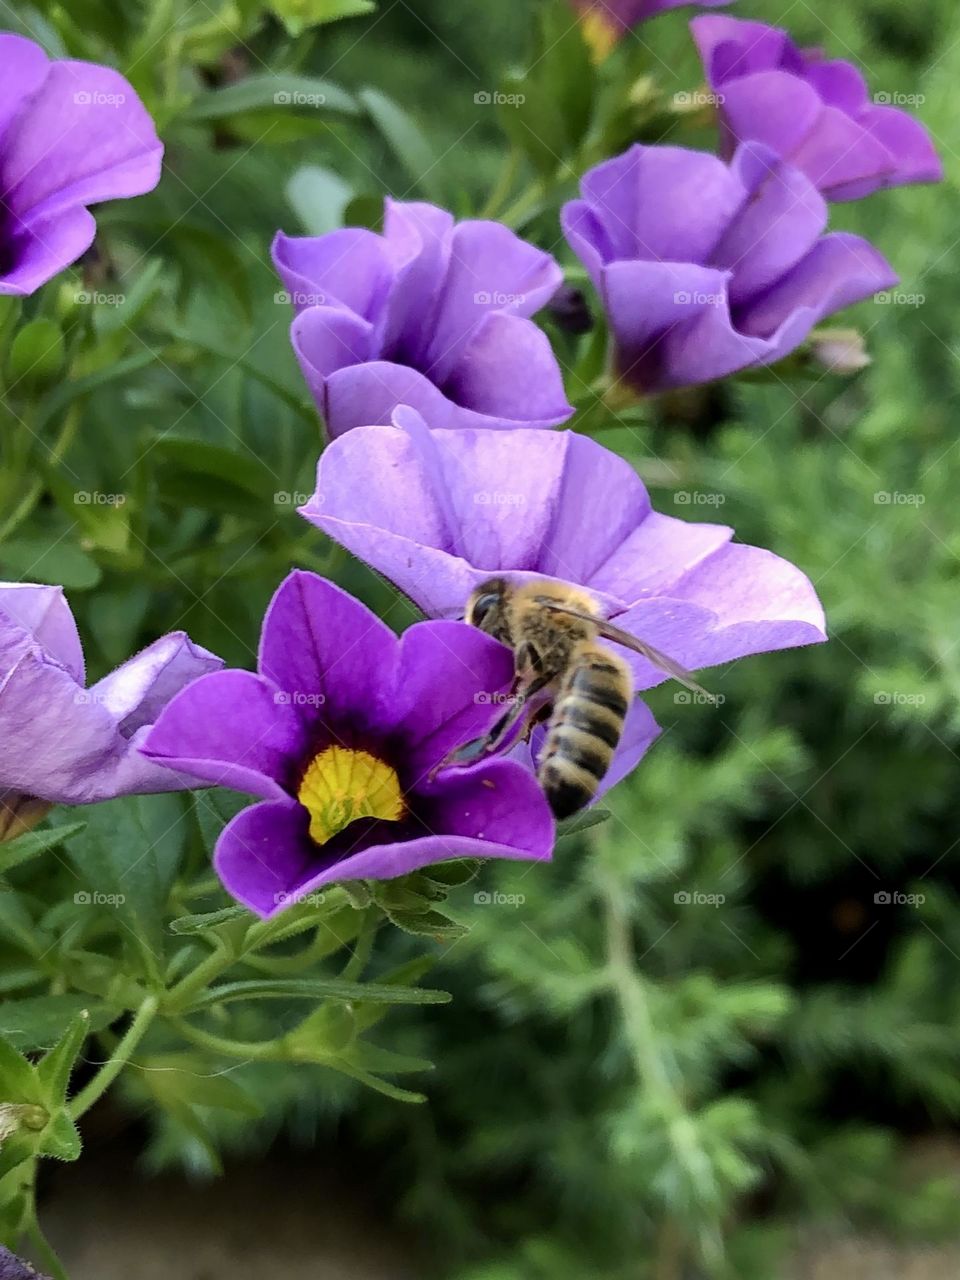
[[71, 134], [706, 268], [431, 313], [338, 736], [438, 512], [61, 742], [813, 111]]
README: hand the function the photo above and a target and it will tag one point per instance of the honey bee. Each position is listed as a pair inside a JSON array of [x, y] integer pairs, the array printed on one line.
[[564, 676]]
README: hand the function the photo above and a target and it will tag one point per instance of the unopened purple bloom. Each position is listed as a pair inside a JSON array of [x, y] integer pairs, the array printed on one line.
[[338, 735], [816, 113], [14, 1268], [71, 134], [61, 742], [432, 314], [438, 512], [706, 268]]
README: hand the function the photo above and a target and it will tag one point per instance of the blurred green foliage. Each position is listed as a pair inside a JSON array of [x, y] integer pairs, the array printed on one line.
[[724, 1011]]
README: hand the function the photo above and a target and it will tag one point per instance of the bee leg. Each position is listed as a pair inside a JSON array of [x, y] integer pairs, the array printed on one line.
[[492, 741], [538, 717]]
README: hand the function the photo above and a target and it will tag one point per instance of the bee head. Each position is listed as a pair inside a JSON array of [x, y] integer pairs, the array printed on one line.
[[485, 608]]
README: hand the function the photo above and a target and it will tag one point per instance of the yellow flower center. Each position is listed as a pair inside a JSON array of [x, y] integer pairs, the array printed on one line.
[[341, 785], [599, 33]]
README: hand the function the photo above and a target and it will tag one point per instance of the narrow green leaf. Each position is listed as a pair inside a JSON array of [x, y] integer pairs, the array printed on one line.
[[53, 1070], [208, 920], [38, 1021], [18, 1078], [34, 843], [272, 89], [317, 989], [405, 138]]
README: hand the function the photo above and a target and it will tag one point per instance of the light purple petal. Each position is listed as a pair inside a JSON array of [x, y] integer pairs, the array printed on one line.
[[136, 692], [231, 729], [336, 660], [739, 601], [43, 612], [840, 270], [490, 270], [57, 742], [326, 339], [480, 501], [506, 369], [347, 269], [86, 137]]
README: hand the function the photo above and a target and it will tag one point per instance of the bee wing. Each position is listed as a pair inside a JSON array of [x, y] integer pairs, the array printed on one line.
[[609, 632]]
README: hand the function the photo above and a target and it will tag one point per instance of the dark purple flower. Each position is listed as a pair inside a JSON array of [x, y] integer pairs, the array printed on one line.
[[814, 112], [706, 268], [71, 134], [14, 1268], [337, 735], [437, 512], [61, 742], [432, 314]]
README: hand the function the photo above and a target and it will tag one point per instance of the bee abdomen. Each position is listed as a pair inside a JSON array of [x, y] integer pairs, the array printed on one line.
[[585, 729]]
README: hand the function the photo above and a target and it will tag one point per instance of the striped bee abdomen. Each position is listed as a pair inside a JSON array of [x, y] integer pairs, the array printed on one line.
[[585, 727]]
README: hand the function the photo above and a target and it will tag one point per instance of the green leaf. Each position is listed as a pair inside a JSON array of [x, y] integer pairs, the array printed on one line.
[[319, 197], [581, 822], [60, 1140], [67, 393], [175, 1079], [271, 89], [317, 989], [299, 15], [208, 920], [35, 842], [126, 860], [428, 924], [405, 138], [37, 354], [18, 1078], [130, 304], [40, 560], [194, 473], [38, 1021], [53, 1070]]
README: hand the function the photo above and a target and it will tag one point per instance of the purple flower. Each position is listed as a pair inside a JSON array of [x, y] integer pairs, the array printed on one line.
[[61, 742], [14, 1268], [704, 268], [71, 134], [815, 113], [432, 314], [438, 512], [337, 735]]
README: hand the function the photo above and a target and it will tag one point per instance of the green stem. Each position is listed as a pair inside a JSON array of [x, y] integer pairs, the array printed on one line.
[[364, 944], [105, 1077], [501, 188], [642, 1038], [245, 1049], [180, 996]]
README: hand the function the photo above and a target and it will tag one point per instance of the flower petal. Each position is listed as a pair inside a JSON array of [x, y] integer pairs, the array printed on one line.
[[437, 520], [335, 659], [138, 691], [738, 601], [450, 677], [25, 67], [263, 854], [85, 138], [43, 612], [231, 729], [347, 270]]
